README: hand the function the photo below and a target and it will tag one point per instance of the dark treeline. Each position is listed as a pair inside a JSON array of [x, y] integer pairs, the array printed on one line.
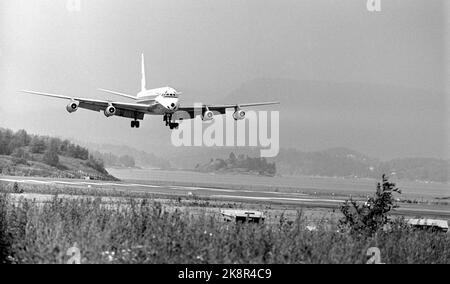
[[14, 143], [242, 163]]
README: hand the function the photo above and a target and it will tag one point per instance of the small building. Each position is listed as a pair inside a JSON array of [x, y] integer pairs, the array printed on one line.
[[433, 224], [241, 216]]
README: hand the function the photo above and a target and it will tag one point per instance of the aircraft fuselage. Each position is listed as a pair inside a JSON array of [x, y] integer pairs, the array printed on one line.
[[161, 100]]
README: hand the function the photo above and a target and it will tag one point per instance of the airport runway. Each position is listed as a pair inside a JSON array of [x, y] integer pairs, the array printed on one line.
[[287, 198]]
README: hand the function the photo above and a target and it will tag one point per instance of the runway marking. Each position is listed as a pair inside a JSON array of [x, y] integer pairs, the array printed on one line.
[[201, 188], [423, 210], [277, 198], [176, 187], [284, 193], [81, 183]]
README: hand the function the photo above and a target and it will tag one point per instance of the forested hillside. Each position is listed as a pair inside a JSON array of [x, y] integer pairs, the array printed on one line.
[[22, 154]]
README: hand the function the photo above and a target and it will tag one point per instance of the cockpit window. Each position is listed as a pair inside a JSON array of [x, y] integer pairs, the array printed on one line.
[[170, 95]]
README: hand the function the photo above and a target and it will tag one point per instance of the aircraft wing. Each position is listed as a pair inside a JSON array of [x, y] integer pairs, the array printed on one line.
[[130, 110], [192, 111]]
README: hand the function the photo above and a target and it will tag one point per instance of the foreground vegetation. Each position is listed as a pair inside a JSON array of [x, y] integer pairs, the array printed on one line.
[[142, 232], [134, 228]]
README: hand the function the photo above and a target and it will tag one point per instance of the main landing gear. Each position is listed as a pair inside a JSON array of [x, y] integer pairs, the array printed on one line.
[[168, 120], [135, 123]]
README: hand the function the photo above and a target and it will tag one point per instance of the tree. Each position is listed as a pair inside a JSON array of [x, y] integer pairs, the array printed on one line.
[[232, 158], [81, 153], [55, 144], [271, 169], [5, 140], [51, 155], [19, 139], [37, 145], [64, 147], [1, 143], [371, 216], [22, 137], [96, 164]]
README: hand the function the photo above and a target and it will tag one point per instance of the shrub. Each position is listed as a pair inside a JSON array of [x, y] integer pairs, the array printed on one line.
[[16, 188], [19, 161], [371, 216]]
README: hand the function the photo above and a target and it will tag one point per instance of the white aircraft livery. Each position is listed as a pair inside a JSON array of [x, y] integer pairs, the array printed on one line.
[[160, 101]]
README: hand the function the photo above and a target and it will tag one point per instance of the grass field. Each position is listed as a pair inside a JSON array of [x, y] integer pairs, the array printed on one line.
[[142, 229]]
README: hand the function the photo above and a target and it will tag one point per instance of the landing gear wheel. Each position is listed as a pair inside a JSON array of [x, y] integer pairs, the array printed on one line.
[[173, 126], [135, 124]]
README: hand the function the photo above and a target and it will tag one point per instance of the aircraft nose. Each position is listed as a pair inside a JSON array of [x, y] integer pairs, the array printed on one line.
[[172, 106]]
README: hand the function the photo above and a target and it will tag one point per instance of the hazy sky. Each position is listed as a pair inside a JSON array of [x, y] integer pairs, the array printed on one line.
[[207, 46]]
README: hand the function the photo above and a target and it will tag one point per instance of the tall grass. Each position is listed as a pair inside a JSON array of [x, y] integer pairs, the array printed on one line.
[[4, 239], [144, 233]]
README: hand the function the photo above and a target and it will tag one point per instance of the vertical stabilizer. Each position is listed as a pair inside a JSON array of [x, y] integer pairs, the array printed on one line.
[[143, 73]]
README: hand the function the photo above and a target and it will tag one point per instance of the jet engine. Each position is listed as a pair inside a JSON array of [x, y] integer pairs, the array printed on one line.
[[110, 111], [208, 115], [73, 106], [239, 114]]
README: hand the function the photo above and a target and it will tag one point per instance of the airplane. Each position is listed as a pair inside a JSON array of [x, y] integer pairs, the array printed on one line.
[[160, 101]]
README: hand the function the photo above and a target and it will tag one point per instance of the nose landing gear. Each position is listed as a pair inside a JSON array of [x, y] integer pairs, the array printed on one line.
[[168, 120], [135, 123]]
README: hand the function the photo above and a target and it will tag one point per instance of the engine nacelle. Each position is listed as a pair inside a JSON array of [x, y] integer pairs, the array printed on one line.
[[239, 114], [208, 115], [73, 106], [110, 111]]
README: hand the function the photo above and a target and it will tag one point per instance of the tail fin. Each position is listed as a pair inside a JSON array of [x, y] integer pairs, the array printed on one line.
[[143, 73]]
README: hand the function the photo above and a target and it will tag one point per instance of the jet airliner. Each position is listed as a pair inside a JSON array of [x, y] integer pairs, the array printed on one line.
[[160, 101]]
